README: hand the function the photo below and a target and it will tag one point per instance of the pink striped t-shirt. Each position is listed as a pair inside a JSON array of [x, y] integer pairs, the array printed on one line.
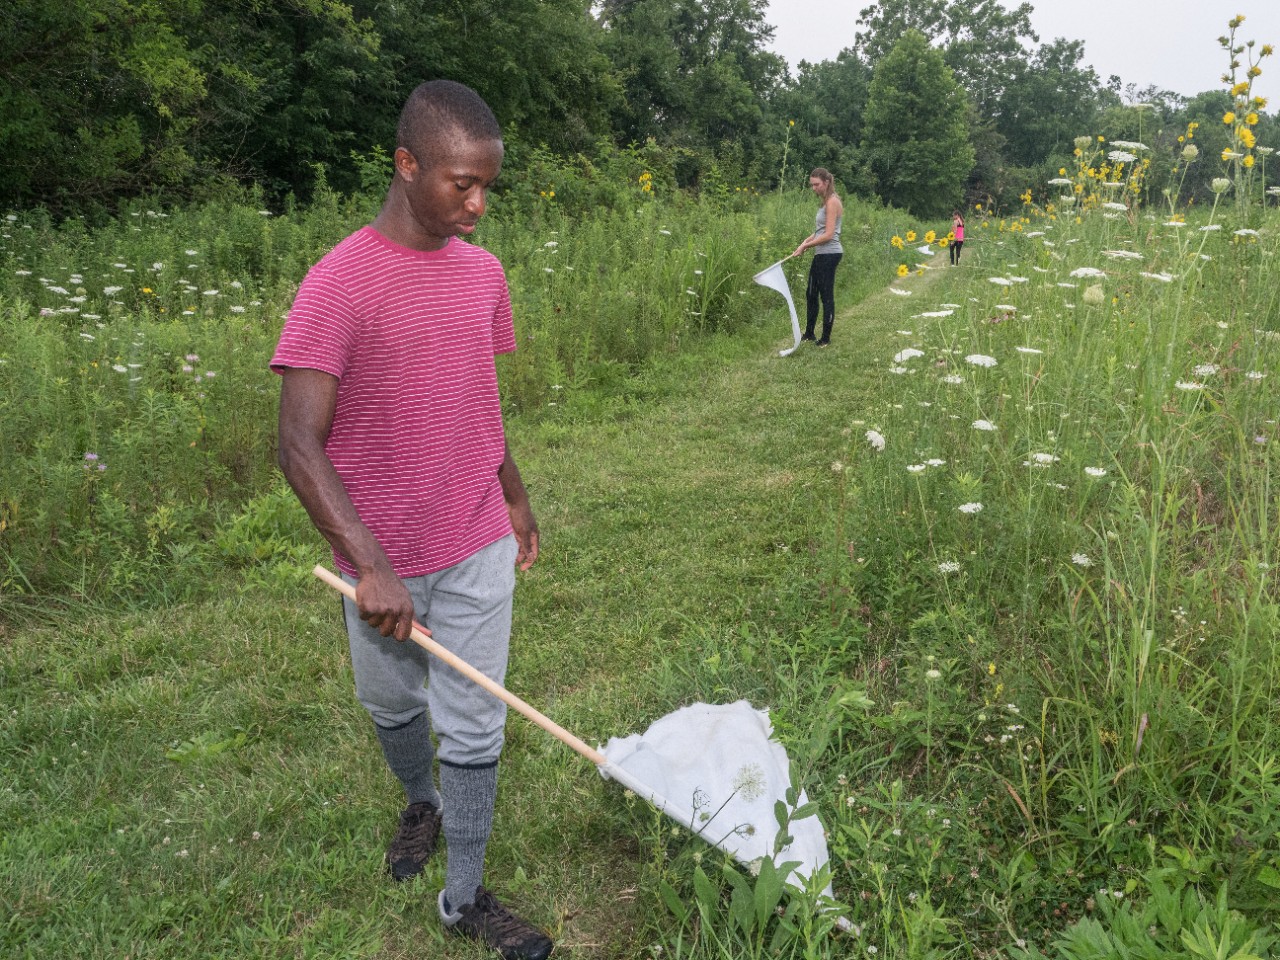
[[417, 433]]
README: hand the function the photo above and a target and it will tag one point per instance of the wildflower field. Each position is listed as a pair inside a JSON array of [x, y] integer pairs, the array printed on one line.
[[1001, 562]]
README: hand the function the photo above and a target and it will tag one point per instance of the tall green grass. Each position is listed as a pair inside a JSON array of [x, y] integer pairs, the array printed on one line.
[[138, 412], [1045, 726]]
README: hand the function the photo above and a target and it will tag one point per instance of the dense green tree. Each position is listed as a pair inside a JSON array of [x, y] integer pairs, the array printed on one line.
[[97, 97], [538, 63], [915, 130], [1046, 106], [695, 73], [984, 42], [826, 101], [109, 98]]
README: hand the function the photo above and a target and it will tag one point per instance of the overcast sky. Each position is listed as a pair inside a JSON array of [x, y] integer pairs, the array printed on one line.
[[1170, 43]]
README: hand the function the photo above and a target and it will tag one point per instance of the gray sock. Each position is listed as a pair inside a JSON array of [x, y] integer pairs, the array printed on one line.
[[469, 794], [410, 756]]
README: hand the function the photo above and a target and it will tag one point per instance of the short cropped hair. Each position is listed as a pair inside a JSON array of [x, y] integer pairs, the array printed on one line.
[[440, 109]]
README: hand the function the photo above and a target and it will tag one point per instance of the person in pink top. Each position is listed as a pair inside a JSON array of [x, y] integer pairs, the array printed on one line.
[[391, 435], [957, 239]]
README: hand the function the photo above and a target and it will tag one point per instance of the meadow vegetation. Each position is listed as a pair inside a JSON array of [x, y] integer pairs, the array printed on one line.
[[1001, 562]]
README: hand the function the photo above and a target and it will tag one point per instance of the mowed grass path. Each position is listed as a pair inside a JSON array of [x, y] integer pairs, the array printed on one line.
[[201, 782]]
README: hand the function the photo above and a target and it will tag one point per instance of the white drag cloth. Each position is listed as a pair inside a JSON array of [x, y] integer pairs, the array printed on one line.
[[716, 770], [773, 278]]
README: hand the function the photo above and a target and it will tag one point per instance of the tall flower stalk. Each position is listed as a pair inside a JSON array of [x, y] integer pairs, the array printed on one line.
[[1243, 115]]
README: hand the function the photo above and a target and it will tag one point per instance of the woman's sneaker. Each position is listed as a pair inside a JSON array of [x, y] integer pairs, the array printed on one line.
[[492, 924], [414, 842]]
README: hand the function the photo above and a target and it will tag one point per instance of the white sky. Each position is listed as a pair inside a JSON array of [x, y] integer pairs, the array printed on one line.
[[1170, 43]]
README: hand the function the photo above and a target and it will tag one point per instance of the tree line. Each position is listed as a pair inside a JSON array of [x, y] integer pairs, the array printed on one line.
[[933, 103]]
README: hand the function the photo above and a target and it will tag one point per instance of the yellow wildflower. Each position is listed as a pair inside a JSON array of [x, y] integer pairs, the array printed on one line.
[[897, 243], [1248, 161], [1251, 119], [911, 236], [930, 237], [903, 269], [1229, 117]]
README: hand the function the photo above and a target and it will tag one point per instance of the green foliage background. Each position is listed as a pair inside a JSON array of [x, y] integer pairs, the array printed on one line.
[[104, 101]]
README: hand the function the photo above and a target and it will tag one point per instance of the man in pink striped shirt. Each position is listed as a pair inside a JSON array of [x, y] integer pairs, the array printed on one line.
[[391, 435]]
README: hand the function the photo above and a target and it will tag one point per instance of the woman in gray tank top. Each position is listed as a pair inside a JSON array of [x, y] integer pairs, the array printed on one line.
[[827, 251]]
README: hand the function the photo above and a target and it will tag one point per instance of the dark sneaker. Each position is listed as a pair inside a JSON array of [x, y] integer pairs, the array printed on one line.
[[807, 336], [824, 343], [494, 925], [414, 842]]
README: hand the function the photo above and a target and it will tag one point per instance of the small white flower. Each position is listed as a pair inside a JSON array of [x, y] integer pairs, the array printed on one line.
[[1080, 272], [192, 253], [1254, 375], [1044, 458], [1095, 471], [876, 439], [915, 468], [948, 566], [1081, 560], [983, 425], [1162, 277], [1112, 205], [750, 781], [1206, 370], [934, 463], [933, 674], [908, 354], [953, 379], [970, 508], [1028, 350], [980, 360], [1189, 385], [119, 368]]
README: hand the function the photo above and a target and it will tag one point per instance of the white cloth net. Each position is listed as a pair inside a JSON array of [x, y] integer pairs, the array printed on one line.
[[716, 770]]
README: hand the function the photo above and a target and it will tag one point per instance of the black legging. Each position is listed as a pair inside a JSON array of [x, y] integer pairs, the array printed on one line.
[[822, 286], [955, 250]]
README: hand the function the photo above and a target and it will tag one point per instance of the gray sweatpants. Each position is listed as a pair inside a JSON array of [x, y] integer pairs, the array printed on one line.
[[467, 608]]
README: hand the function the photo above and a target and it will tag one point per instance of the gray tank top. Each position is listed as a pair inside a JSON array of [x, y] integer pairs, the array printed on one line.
[[819, 225]]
